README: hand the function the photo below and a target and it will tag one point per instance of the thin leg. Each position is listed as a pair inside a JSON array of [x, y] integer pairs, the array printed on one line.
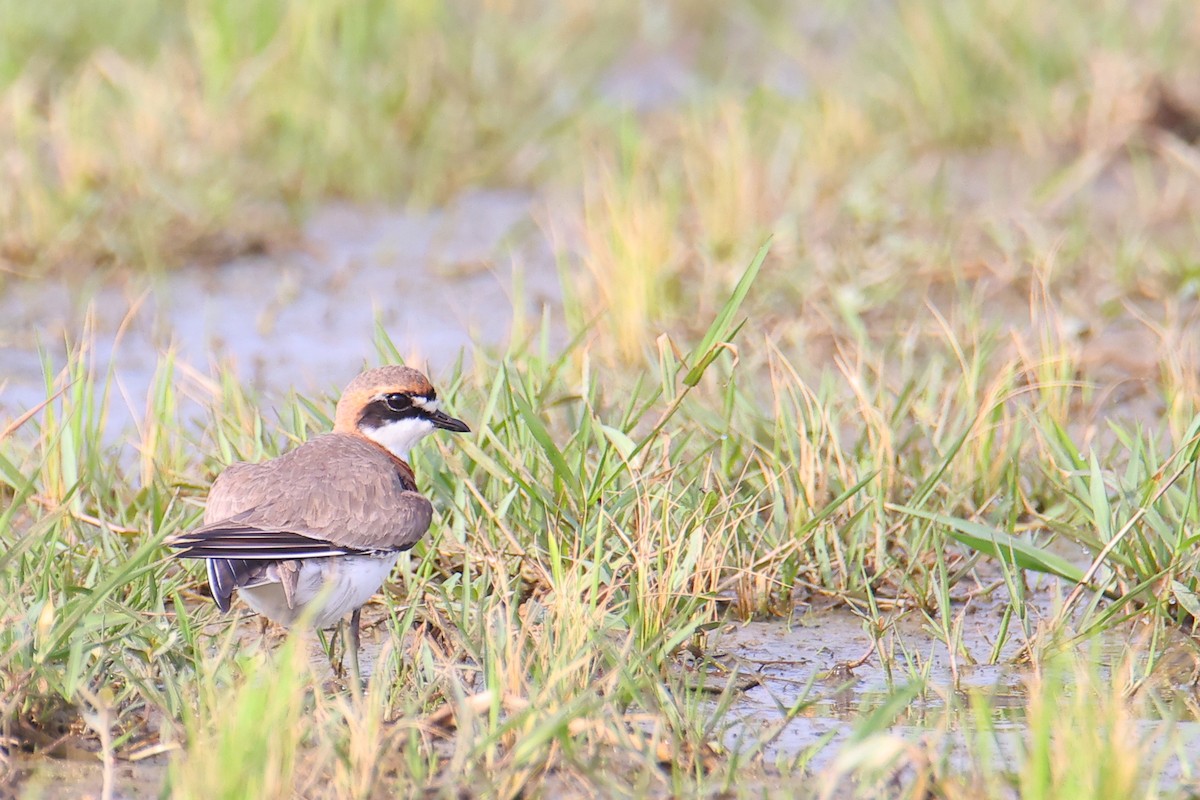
[[329, 645], [355, 621], [355, 640]]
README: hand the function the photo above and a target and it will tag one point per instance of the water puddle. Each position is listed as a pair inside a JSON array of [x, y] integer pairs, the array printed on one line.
[[812, 681], [822, 670]]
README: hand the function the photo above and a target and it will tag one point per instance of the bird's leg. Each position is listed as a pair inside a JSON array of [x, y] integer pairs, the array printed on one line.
[[353, 645], [330, 647], [355, 625]]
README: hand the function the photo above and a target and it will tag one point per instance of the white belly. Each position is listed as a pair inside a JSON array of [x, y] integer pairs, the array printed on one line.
[[336, 585]]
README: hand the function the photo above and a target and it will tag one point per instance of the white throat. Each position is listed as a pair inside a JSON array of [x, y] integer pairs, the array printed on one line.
[[398, 437]]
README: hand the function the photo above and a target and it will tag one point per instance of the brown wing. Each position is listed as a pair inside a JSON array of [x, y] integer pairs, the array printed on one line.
[[225, 499], [332, 494]]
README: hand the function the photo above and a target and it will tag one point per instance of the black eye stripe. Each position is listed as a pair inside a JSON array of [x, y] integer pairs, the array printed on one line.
[[379, 412]]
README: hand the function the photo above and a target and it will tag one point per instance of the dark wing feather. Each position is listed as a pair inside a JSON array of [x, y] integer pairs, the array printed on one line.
[[254, 544], [227, 574]]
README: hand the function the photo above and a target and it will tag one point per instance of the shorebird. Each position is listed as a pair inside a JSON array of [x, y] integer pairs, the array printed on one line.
[[312, 534]]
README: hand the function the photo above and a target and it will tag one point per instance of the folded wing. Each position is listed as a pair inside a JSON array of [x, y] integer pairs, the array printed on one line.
[[334, 495]]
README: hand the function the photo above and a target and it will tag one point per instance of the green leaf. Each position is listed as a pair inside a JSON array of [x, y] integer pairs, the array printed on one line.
[[618, 439], [835, 504], [722, 329], [534, 423], [1007, 548], [887, 713], [1101, 510], [1068, 447], [1186, 598], [922, 492], [1192, 437]]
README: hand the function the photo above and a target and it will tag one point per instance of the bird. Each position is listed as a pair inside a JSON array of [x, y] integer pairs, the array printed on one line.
[[313, 534]]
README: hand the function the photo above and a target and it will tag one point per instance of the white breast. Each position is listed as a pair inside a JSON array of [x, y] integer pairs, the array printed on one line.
[[399, 436]]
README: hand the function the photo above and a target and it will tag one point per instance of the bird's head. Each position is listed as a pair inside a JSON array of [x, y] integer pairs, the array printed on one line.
[[395, 407]]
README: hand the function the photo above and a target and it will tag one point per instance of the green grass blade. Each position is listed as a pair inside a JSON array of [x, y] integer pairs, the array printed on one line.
[[720, 331], [995, 543], [562, 470]]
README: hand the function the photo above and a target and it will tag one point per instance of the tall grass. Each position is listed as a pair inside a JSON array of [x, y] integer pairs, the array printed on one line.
[[204, 130], [197, 131]]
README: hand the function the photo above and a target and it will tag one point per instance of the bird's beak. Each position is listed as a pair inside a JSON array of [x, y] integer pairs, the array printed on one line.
[[441, 419]]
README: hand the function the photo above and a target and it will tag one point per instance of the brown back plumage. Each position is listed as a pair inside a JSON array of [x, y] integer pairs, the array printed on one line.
[[353, 495]]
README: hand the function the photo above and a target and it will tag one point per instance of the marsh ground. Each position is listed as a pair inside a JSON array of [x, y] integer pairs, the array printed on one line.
[[833, 551]]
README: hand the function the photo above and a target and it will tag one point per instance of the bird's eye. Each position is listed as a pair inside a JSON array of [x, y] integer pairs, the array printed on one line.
[[398, 402]]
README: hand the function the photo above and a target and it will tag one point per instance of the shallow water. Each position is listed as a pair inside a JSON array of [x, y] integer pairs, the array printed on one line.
[[825, 661], [436, 282], [799, 662], [808, 696]]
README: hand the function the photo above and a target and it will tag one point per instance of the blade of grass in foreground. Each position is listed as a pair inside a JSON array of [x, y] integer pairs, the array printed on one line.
[[562, 471], [721, 331], [715, 339], [1009, 549]]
